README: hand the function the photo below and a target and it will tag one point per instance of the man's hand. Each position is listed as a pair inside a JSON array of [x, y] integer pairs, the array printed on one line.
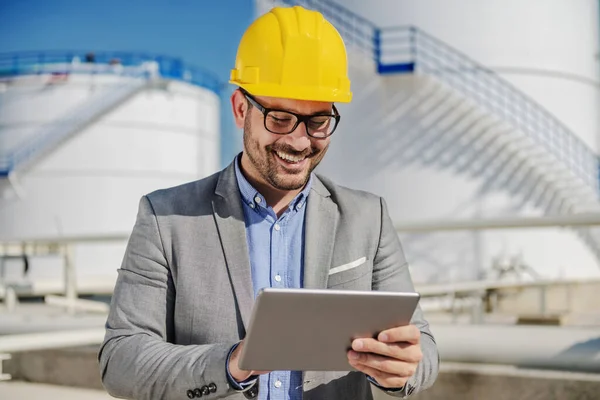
[[391, 359], [238, 374]]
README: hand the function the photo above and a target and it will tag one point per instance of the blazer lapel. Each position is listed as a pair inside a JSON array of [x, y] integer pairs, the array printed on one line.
[[229, 217], [319, 236]]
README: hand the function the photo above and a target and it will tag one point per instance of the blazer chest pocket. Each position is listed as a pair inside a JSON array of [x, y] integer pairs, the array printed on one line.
[[345, 275]]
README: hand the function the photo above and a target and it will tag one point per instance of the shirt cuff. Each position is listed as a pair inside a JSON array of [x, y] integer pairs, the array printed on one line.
[[239, 386], [374, 382]]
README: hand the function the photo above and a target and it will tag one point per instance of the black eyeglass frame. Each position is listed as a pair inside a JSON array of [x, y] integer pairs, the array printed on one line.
[[299, 118]]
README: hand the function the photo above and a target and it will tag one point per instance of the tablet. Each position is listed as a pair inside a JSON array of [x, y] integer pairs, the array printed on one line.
[[312, 329]]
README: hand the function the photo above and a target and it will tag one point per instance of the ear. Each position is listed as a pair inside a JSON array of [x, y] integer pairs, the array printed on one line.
[[239, 107]]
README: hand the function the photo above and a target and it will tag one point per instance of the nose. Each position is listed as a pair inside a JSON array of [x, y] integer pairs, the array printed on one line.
[[299, 138]]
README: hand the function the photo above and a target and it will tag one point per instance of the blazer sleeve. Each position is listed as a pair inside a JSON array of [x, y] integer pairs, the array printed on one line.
[[136, 359], [391, 273]]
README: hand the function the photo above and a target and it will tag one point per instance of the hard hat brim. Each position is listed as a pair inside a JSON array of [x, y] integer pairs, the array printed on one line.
[[330, 95]]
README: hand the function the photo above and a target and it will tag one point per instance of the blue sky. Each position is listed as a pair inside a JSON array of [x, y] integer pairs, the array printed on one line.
[[204, 33]]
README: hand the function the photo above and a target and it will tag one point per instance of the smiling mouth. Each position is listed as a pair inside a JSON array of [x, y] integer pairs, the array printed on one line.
[[290, 158]]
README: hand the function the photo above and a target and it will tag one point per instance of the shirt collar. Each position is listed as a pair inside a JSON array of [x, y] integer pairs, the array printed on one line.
[[254, 199]]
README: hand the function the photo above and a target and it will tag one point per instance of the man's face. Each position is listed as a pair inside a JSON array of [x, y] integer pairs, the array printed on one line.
[[282, 161]]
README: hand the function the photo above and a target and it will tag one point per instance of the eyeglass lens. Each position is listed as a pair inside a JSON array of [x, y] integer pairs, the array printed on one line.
[[283, 122]]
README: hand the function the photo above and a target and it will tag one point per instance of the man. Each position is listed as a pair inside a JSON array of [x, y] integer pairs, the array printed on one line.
[[199, 253]]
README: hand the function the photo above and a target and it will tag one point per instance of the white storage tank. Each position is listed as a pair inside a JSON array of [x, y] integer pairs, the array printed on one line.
[[133, 133]]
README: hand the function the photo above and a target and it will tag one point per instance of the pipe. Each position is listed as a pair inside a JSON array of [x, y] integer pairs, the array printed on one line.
[[78, 304], [442, 289], [51, 340], [99, 238], [103, 286], [583, 219], [541, 347]]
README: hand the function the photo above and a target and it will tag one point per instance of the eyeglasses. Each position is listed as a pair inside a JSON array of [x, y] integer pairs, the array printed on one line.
[[281, 122]]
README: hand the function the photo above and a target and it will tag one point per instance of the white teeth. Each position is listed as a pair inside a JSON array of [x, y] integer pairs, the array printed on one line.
[[290, 158]]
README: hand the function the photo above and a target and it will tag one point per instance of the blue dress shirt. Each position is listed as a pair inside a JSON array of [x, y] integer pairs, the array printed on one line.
[[276, 250]]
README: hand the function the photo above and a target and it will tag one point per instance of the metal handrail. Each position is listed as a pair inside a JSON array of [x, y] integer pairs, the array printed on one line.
[[27, 63], [416, 50]]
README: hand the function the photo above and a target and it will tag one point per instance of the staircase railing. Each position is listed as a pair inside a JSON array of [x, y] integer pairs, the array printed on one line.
[[409, 49], [138, 69], [490, 91]]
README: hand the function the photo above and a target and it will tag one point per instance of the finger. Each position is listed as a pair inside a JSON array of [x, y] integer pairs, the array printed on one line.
[[408, 333], [383, 364], [374, 346], [384, 379], [400, 351]]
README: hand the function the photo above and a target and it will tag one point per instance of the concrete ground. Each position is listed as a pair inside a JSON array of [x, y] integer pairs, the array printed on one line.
[[14, 390], [464, 381], [456, 381], [78, 367]]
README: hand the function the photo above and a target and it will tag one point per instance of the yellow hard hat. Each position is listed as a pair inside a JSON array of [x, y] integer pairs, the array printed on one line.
[[293, 53]]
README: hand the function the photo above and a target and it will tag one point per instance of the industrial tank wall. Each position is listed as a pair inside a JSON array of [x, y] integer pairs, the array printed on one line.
[[91, 185], [32, 103], [493, 33]]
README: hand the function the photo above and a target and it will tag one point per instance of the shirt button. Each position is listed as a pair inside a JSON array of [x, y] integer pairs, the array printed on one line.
[[277, 384], [300, 205], [257, 199], [277, 227], [251, 205], [278, 278]]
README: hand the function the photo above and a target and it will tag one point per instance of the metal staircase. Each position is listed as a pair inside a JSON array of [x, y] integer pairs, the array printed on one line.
[[463, 116]]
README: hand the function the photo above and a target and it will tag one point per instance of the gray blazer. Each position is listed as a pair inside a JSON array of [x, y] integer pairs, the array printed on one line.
[[184, 291]]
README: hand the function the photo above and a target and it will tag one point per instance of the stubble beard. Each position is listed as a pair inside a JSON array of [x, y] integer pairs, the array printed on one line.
[[265, 164]]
